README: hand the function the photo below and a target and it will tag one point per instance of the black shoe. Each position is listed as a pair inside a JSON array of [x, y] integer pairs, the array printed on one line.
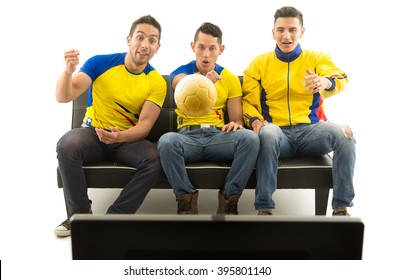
[[64, 229], [340, 211]]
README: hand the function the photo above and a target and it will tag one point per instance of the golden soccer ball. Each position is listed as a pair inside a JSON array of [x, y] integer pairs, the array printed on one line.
[[195, 95]]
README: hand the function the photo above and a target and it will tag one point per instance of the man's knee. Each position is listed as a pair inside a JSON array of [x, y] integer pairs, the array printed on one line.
[[166, 141], [248, 135], [269, 132], [347, 131]]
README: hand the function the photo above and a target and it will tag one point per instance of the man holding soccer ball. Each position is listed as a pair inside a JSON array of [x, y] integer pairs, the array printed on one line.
[[207, 137]]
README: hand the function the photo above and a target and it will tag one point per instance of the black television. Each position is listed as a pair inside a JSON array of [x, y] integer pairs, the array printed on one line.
[[215, 237]]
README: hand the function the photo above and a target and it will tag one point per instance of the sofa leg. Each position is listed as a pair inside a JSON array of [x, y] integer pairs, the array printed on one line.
[[321, 200]]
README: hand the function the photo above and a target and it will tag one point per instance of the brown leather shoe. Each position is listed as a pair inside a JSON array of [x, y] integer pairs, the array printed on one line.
[[340, 211], [227, 206], [187, 203], [265, 212]]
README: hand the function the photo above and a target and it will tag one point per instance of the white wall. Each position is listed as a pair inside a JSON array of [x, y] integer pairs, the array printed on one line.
[[34, 35]]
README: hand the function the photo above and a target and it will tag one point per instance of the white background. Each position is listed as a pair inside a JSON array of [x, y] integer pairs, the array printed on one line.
[[34, 36]]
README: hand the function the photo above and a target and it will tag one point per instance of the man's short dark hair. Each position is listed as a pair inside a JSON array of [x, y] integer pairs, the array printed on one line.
[[148, 19], [288, 12], [209, 29]]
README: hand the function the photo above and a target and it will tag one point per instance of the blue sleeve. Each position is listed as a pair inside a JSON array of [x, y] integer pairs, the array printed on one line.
[[187, 69], [98, 64]]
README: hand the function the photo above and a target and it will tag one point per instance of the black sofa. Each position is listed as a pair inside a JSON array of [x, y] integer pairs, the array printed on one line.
[[293, 173]]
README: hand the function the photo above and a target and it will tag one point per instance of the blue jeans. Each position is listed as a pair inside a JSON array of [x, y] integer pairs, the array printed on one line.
[[81, 145], [305, 140], [211, 145]]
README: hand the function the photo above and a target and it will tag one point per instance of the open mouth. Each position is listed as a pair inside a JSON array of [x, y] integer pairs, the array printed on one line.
[[143, 53]]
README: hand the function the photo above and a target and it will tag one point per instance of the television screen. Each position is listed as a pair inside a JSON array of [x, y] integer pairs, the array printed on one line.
[[213, 237]]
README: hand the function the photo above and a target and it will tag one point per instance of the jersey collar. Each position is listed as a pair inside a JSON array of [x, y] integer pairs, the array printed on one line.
[[288, 57]]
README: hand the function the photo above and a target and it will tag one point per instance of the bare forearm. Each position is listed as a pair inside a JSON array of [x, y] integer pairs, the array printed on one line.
[[64, 88]]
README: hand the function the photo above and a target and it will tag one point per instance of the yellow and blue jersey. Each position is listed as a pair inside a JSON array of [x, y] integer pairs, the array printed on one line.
[[273, 87], [228, 87], [116, 96]]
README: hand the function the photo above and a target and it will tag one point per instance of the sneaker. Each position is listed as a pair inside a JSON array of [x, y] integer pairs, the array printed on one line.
[[265, 212], [64, 229], [340, 211]]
